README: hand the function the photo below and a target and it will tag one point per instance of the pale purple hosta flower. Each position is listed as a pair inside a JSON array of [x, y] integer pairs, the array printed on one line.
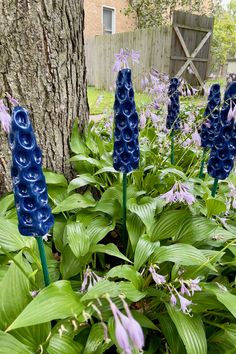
[[178, 193], [194, 285], [196, 138], [231, 113], [5, 117], [173, 300], [234, 203], [154, 119], [184, 289], [121, 60], [158, 278], [184, 303], [135, 56], [144, 82], [186, 129], [12, 100], [90, 278], [142, 121], [187, 142]]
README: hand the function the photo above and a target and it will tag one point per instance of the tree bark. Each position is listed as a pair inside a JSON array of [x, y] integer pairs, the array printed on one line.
[[42, 65]]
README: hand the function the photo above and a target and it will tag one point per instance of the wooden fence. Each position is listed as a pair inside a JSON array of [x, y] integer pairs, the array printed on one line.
[[170, 49]]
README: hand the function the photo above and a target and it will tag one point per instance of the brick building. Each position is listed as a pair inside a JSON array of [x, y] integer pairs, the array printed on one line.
[[106, 16]]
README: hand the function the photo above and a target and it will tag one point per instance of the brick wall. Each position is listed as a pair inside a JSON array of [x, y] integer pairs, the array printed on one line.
[[93, 17]]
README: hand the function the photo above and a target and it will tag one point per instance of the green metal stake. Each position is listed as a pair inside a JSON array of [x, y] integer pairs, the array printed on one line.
[[172, 157], [43, 260], [124, 207], [203, 162], [214, 188]]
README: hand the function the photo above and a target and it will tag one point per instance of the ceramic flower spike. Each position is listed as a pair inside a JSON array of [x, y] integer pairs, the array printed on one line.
[[126, 145], [172, 120], [30, 191]]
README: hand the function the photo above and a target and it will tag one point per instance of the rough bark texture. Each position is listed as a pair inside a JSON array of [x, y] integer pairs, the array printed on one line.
[[42, 65]]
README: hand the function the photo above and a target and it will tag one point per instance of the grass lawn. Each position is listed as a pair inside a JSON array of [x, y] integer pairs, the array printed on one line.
[[141, 99]]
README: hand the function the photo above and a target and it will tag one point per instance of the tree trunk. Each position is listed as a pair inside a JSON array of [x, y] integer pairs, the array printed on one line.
[[42, 65]]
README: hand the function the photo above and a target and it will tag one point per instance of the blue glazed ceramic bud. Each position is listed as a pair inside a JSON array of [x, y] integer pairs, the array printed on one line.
[[126, 145], [30, 191], [212, 115], [172, 120], [223, 151]]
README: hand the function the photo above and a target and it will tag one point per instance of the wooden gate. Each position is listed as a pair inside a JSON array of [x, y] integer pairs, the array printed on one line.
[[190, 47]]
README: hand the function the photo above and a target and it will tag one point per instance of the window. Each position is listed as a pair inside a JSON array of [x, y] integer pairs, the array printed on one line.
[[108, 20]]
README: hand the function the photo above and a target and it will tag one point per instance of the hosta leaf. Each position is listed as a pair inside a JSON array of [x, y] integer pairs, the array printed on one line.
[[57, 301], [135, 229], [109, 202], [102, 287], [144, 250], [78, 239], [190, 329], [228, 300], [90, 160], [105, 170], [55, 178], [180, 253], [145, 209], [170, 332], [77, 144], [63, 345], [99, 227], [10, 238], [110, 249], [10, 345], [126, 272], [173, 171], [215, 206], [168, 225], [130, 292], [6, 203], [95, 339], [84, 180], [74, 201], [70, 265], [14, 294], [143, 320]]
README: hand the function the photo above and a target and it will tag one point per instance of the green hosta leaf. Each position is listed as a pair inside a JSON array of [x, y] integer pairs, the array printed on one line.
[[215, 206], [135, 229], [168, 225], [10, 345], [55, 178], [70, 265], [99, 227], [173, 171], [58, 230], [57, 194], [101, 288], [180, 253], [63, 345], [143, 320], [90, 160], [78, 239], [73, 202], [84, 180], [57, 301], [6, 203], [109, 202], [144, 250], [126, 272], [170, 332], [130, 292], [191, 331], [110, 249], [10, 238], [77, 144], [14, 294], [228, 300], [95, 339], [145, 209], [105, 170]]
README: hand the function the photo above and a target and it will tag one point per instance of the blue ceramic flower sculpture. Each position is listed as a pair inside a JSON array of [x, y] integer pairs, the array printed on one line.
[[30, 191], [212, 115], [223, 151], [126, 145], [172, 120]]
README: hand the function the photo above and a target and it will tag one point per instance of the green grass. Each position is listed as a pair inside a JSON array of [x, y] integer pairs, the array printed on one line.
[[141, 99]]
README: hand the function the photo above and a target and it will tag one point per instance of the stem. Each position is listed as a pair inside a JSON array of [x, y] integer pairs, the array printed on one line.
[[172, 156], [214, 188], [124, 207], [202, 163], [43, 260]]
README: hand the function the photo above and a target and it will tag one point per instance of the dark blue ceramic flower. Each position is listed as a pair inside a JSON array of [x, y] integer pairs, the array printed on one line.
[[223, 151], [126, 145], [30, 191], [212, 115], [172, 120]]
